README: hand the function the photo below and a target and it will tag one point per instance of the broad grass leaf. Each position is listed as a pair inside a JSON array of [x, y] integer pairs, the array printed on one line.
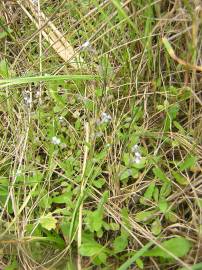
[[178, 246]]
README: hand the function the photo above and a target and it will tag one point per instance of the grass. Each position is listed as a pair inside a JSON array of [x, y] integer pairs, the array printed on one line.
[[101, 154]]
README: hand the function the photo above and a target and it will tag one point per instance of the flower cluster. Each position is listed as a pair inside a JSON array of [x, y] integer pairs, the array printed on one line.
[[137, 154]]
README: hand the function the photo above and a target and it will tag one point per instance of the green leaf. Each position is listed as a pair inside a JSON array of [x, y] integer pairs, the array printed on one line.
[[165, 190], [13, 266], [180, 179], [140, 263], [48, 222], [91, 248], [98, 92], [156, 227], [136, 256], [94, 220], [125, 174], [89, 105], [197, 266], [120, 243], [156, 194], [99, 182], [178, 246], [148, 194], [149, 191], [126, 159], [4, 69], [189, 162], [163, 205], [63, 198], [145, 216], [160, 174], [173, 111], [171, 216], [53, 90], [46, 78]]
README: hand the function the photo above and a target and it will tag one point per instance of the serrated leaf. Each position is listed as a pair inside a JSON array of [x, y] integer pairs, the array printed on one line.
[[178, 246], [48, 222], [94, 220]]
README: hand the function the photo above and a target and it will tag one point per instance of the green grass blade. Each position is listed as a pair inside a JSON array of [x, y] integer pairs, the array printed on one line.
[[197, 266], [47, 78], [135, 256]]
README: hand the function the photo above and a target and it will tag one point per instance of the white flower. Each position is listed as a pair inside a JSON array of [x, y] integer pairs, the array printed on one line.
[[61, 119], [86, 44], [137, 160], [105, 118], [137, 154], [135, 148], [35, 2], [55, 140]]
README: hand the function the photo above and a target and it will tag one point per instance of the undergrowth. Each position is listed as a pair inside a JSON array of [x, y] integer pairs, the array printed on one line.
[[101, 159]]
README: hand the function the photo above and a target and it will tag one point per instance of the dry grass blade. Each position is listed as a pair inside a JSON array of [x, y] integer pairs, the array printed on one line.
[[52, 35], [176, 58]]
